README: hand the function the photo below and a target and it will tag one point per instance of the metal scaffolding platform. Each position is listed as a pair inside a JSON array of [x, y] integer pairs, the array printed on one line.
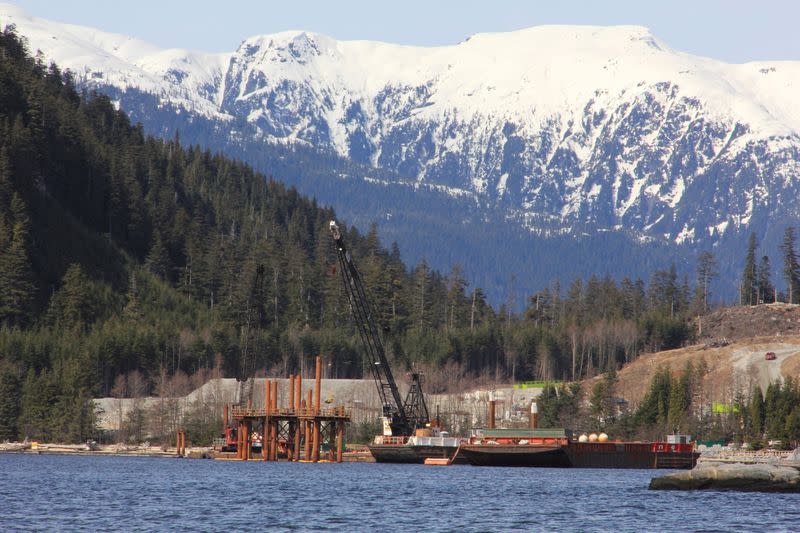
[[294, 433]]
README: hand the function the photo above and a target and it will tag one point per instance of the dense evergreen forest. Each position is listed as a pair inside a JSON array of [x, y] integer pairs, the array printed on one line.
[[129, 264]]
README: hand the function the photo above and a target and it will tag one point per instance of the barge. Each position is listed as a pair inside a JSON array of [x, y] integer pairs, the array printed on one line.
[[556, 448], [414, 449]]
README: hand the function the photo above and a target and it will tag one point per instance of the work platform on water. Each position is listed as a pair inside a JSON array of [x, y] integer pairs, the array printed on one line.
[[295, 432]]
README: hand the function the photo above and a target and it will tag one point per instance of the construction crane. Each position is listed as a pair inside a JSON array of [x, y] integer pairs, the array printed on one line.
[[400, 418]]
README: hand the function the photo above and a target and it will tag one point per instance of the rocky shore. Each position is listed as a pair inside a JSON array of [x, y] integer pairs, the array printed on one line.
[[732, 476]]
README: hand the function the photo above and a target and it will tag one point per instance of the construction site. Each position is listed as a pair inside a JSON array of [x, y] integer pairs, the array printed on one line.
[[295, 418], [283, 411]]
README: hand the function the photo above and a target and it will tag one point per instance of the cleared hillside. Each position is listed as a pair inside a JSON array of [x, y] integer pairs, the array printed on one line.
[[732, 346], [745, 322]]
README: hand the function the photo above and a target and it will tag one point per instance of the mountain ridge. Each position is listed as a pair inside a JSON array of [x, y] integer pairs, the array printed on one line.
[[557, 130], [294, 45]]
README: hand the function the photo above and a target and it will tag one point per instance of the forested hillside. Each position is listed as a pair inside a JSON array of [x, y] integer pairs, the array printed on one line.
[[128, 263]]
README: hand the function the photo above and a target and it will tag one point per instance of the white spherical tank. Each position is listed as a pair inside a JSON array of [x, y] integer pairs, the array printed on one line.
[[583, 438], [593, 437], [602, 437]]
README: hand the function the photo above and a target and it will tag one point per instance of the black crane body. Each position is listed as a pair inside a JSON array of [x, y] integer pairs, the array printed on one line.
[[401, 418]]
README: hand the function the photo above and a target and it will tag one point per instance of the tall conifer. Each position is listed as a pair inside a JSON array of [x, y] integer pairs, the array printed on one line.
[[10, 390], [766, 290], [791, 267], [749, 288], [17, 289]]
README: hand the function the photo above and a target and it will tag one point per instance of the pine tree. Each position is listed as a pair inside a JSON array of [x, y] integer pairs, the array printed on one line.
[[654, 408], [10, 391], [766, 290], [706, 271], [377, 278], [791, 267], [748, 290], [332, 301], [6, 189], [456, 299], [133, 309], [792, 426], [17, 289], [421, 296], [397, 282], [547, 402], [601, 403], [663, 290], [679, 400], [157, 260], [480, 312], [774, 419], [76, 301], [38, 401], [575, 301]]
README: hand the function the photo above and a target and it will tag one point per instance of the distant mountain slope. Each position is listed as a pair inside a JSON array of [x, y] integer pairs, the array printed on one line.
[[564, 132]]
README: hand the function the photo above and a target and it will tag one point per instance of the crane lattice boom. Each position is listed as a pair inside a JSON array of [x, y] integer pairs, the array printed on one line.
[[401, 417]]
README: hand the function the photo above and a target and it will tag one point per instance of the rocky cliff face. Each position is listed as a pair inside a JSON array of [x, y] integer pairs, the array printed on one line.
[[557, 126]]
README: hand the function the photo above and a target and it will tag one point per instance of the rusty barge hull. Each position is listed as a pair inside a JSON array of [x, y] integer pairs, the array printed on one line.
[[388, 453], [638, 455], [516, 455], [631, 455]]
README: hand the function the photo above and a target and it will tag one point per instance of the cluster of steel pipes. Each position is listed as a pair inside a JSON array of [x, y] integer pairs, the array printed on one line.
[[300, 422]]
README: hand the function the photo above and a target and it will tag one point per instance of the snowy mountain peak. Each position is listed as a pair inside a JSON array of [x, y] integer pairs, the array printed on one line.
[[555, 126], [292, 46]]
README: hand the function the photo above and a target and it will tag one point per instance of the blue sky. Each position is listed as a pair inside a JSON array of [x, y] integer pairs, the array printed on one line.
[[731, 30]]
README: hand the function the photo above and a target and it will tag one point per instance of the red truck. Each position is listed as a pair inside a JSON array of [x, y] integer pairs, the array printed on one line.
[[770, 356]]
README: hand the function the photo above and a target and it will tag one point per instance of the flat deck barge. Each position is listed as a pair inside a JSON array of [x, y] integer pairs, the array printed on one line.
[[556, 449]]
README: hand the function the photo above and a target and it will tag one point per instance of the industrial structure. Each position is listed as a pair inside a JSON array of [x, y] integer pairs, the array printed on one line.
[[400, 418], [294, 432]]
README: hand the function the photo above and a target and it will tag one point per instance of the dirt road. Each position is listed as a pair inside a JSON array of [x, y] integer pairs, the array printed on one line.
[[752, 361]]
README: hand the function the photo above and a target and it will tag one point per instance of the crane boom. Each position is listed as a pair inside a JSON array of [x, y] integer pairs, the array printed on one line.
[[399, 418]]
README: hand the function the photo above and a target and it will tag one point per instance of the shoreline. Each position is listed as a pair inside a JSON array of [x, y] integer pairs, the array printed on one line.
[[116, 450], [110, 450]]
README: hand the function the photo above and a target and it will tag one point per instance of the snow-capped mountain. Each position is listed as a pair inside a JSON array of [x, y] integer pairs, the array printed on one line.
[[555, 127]]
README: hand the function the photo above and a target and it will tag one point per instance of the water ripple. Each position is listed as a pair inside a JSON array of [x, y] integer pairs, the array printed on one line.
[[65, 493]]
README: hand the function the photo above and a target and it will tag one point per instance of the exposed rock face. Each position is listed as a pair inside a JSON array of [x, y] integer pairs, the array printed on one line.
[[740, 477]]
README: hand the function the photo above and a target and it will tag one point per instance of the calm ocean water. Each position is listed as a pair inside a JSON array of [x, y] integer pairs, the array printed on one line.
[[67, 493]]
